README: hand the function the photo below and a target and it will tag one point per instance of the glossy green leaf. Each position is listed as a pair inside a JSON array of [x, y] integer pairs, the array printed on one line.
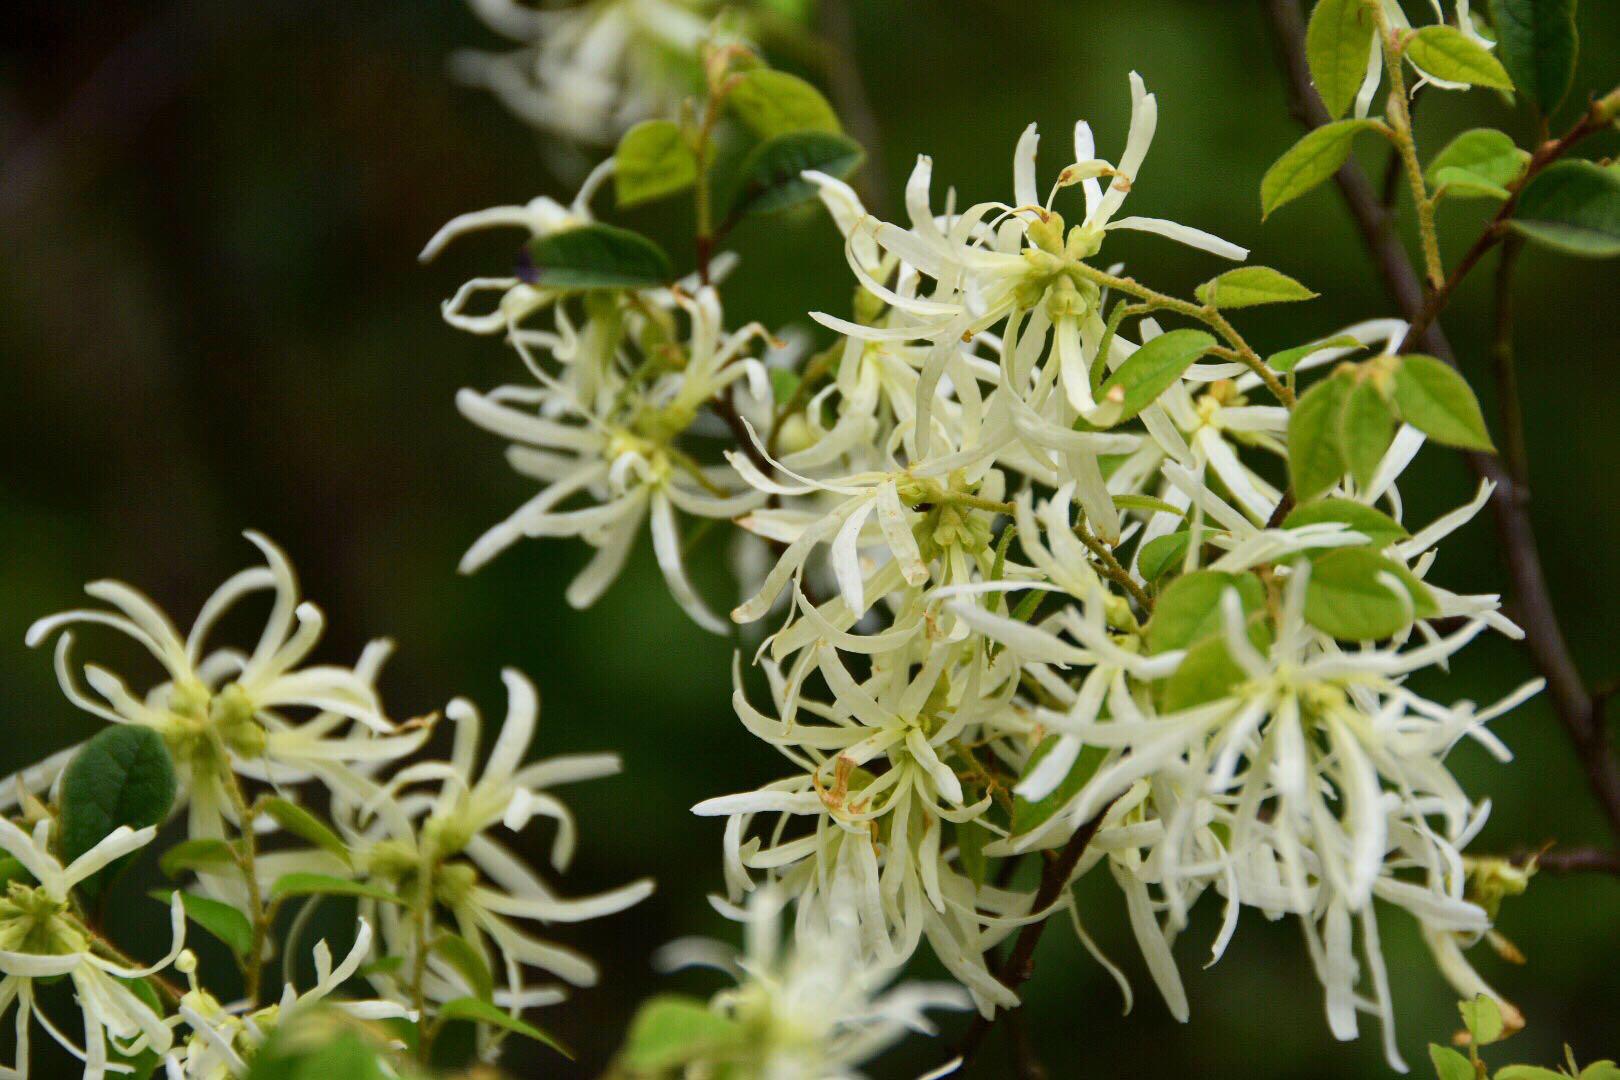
[[1477, 164], [1537, 41], [1248, 286], [122, 775], [1189, 609], [1446, 53], [483, 1012], [290, 885], [1573, 207], [202, 853], [1366, 428], [1029, 815], [1432, 397], [1154, 368], [772, 174], [1449, 1064], [775, 103], [219, 919], [1315, 460], [671, 1030], [1288, 359], [306, 826], [653, 160], [1338, 43], [1351, 595], [461, 955], [594, 257], [1309, 162], [1379, 528], [1162, 554]]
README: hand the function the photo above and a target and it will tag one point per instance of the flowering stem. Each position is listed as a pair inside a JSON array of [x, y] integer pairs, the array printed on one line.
[[1399, 130], [163, 986], [1112, 567], [253, 970]]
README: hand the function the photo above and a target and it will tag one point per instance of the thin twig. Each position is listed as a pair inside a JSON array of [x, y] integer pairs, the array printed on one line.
[[1581, 860], [854, 104], [1544, 636]]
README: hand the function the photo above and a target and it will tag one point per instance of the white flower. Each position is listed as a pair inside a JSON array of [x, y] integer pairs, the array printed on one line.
[[1399, 22], [41, 938]]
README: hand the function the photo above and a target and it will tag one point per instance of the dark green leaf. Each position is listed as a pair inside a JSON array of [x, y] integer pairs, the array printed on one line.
[[219, 919], [305, 825], [203, 853], [1189, 609], [653, 160], [1573, 207], [1028, 815], [1477, 163], [970, 840], [1309, 162], [324, 885], [1208, 671], [462, 956], [671, 1030], [1537, 41], [11, 869], [1338, 43], [1446, 53], [122, 776], [775, 103], [1154, 368], [482, 1012], [1248, 286], [1433, 398], [1379, 528], [594, 257], [1162, 554], [1366, 428], [772, 174], [1315, 461], [1351, 596]]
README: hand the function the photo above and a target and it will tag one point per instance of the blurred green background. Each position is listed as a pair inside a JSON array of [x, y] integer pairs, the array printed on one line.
[[213, 319]]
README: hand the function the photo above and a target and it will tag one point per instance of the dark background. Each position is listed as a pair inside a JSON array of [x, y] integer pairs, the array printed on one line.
[[213, 319]]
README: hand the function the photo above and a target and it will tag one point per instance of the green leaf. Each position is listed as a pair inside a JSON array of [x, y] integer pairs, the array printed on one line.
[[202, 853], [1288, 359], [1208, 671], [1601, 1070], [1338, 42], [1250, 285], [482, 1012], [219, 919], [1028, 815], [122, 776], [1537, 42], [784, 384], [1446, 53], [653, 160], [1379, 528], [1526, 1072], [467, 960], [1315, 460], [305, 825], [1477, 164], [1154, 368], [312, 1051], [672, 1030], [1435, 399], [1349, 597], [1162, 554], [970, 840], [1483, 1019], [1309, 162], [771, 175], [1573, 207], [775, 103], [594, 257], [1189, 609], [1366, 428], [1450, 1065], [289, 885]]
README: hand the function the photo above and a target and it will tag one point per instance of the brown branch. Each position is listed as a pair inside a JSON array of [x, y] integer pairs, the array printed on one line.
[[1019, 965], [843, 75], [1583, 860], [1544, 637]]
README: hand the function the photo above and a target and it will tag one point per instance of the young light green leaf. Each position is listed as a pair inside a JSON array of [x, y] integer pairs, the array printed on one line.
[[594, 257], [1338, 42], [1379, 528], [219, 919], [1366, 428], [1315, 460], [200, 853], [671, 1030], [122, 775], [1309, 162], [1526, 1072], [1162, 554], [1477, 164], [775, 103], [483, 1012], [1601, 1070], [1250, 285], [1537, 42], [1189, 609], [461, 955], [1352, 596], [653, 160], [1288, 359], [1449, 1064], [1573, 207], [1446, 53], [289, 885], [1154, 368], [306, 826], [1435, 399], [1483, 1019], [1028, 815], [772, 174]]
